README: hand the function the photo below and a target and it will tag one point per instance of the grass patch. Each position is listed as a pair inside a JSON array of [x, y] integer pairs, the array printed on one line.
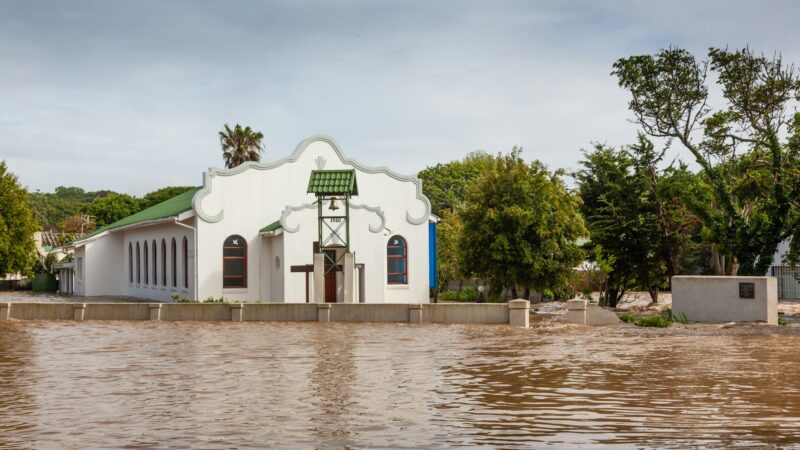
[[662, 320], [627, 317]]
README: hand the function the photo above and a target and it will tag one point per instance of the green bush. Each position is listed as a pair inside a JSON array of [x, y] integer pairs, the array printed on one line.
[[468, 294], [657, 321], [663, 320], [627, 317]]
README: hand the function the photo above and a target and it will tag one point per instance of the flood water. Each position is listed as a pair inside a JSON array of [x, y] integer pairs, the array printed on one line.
[[309, 385]]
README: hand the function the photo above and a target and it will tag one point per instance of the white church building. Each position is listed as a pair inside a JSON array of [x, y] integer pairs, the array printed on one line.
[[314, 226]]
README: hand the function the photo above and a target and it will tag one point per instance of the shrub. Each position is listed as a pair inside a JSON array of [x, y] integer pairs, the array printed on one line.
[[627, 317], [468, 294], [657, 321], [663, 320]]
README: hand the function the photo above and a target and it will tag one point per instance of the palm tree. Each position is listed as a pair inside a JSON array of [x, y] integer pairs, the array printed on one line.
[[240, 145]]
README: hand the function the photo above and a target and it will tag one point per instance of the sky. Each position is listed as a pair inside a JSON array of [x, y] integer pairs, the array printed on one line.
[[129, 96]]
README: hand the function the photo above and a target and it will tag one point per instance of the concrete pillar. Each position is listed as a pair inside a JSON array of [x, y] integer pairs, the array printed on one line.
[[576, 311], [155, 312], [324, 312], [236, 312], [5, 311], [78, 311], [349, 295], [319, 278], [519, 313], [415, 313]]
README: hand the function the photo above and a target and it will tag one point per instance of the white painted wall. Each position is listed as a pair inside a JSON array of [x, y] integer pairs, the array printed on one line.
[[80, 270], [252, 196], [103, 267], [155, 289]]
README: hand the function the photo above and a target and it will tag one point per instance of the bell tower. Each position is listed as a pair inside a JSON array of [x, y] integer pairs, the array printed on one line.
[[333, 189]]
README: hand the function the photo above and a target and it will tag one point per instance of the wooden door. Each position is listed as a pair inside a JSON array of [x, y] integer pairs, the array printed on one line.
[[330, 276]]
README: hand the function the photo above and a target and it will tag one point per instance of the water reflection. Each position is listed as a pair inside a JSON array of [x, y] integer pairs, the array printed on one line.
[[295, 385], [17, 402]]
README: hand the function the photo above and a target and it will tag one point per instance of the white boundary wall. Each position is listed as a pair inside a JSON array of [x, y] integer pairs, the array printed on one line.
[[515, 312], [717, 299]]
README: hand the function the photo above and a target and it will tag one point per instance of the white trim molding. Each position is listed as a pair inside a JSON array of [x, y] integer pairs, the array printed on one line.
[[208, 176]]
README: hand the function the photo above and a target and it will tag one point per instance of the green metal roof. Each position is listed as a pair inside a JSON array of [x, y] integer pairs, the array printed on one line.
[[274, 226], [168, 208], [333, 182]]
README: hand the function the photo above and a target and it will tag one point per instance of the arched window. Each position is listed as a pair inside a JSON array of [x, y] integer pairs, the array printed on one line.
[[174, 266], [234, 262], [163, 262], [146, 260], [154, 248], [130, 262], [396, 260], [138, 265], [185, 262]]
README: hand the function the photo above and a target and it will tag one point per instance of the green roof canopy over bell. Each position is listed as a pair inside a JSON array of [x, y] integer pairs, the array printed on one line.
[[333, 182]]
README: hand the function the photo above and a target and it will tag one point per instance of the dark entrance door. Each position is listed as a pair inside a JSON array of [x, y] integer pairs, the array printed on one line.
[[330, 276]]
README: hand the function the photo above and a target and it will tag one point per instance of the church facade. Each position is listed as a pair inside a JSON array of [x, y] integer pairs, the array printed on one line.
[[314, 226]]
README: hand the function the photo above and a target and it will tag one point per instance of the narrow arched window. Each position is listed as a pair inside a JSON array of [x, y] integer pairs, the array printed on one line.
[[146, 266], [163, 262], [396, 260], [174, 254], [138, 265], [185, 262], [154, 248], [234, 262], [130, 262]]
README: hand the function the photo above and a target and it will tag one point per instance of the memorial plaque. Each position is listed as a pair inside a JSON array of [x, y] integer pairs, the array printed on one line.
[[747, 290]]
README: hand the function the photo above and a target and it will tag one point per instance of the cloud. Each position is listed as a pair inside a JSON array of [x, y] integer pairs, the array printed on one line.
[[129, 95]]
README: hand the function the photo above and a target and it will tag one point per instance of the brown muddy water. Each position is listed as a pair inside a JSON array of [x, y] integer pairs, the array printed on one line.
[[296, 385]]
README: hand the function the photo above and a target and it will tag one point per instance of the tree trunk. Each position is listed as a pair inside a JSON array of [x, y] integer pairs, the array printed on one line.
[[460, 284], [526, 294], [718, 261], [514, 291], [653, 291]]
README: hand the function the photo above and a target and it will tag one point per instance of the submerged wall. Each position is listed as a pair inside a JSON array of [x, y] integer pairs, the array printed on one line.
[[515, 312]]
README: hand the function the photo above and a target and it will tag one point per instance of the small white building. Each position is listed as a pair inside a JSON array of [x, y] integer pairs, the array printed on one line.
[[251, 233]]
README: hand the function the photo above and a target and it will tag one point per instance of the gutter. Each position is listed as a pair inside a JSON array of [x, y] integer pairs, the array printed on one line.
[[145, 223]]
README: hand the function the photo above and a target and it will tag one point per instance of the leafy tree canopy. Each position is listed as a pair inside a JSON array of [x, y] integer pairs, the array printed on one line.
[[638, 217], [112, 207], [521, 227], [747, 149], [160, 195], [445, 184], [240, 144], [17, 225]]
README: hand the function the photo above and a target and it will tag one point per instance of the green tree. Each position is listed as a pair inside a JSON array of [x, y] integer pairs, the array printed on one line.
[[53, 208], [111, 208], [445, 184], [741, 148], [17, 225], [637, 217], [448, 249], [240, 145], [521, 227], [160, 195]]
